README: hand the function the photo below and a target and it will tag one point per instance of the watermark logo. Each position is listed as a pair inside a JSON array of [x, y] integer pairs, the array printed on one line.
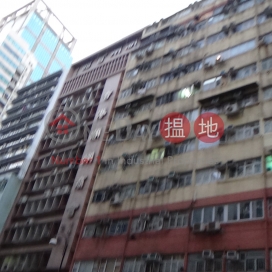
[[209, 127], [65, 127], [175, 127], [62, 128]]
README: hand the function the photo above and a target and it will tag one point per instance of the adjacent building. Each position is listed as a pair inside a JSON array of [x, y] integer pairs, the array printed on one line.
[[34, 44], [43, 227], [192, 206], [20, 134]]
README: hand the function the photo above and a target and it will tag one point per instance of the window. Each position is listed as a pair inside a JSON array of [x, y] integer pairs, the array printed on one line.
[[125, 191], [132, 159], [232, 52], [216, 37], [240, 133], [134, 265], [249, 261], [268, 125], [245, 25], [125, 93], [207, 175], [108, 165], [164, 183], [252, 209], [98, 266], [191, 115], [196, 263], [155, 154], [172, 264], [245, 101], [132, 73], [267, 94], [246, 168], [3, 184], [246, 5], [173, 96], [176, 219], [211, 83], [118, 227], [245, 72], [267, 64], [268, 163]]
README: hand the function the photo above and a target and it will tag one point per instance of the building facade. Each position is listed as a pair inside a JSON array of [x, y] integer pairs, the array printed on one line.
[[17, 63], [31, 33], [44, 224], [193, 206], [21, 132]]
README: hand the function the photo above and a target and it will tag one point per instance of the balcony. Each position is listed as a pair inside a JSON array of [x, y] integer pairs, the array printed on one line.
[[45, 182], [30, 232]]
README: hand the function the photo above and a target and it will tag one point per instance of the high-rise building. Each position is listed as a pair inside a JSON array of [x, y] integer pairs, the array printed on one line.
[[21, 133], [40, 32], [17, 63], [194, 206], [43, 226]]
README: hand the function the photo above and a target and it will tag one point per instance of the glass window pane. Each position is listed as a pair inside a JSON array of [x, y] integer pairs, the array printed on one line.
[[42, 55], [245, 210], [49, 39], [232, 212]]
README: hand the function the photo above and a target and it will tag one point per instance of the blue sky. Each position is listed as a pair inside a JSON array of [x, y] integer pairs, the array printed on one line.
[[97, 24]]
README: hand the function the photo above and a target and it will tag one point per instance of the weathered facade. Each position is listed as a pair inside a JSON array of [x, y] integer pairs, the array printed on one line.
[[190, 206], [44, 224]]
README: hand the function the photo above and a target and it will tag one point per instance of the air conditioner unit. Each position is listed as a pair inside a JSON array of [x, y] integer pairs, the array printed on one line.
[[230, 130], [144, 217], [232, 255], [29, 221], [56, 192], [262, 42], [219, 59], [23, 200], [47, 193], [208, 66], [197, 84], [80, 143], [232, 27], [149, 50], [225, 29], [207, 254], [140, 55], [152, 179], [199, 227], [172, 175], [224, 74], [232, 110], [65, 190], [63, 102], [213, 226], [89, 90], [116, 200], [151, 257], [220, 166], [55, 171], [232, 72], [164, 214]]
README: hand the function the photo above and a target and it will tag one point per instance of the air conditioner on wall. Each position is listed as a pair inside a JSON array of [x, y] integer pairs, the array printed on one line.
[[213, 226], [151, 257], [232, 109], [207, 254], [199, 227], [116, 200], [232, 255]]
